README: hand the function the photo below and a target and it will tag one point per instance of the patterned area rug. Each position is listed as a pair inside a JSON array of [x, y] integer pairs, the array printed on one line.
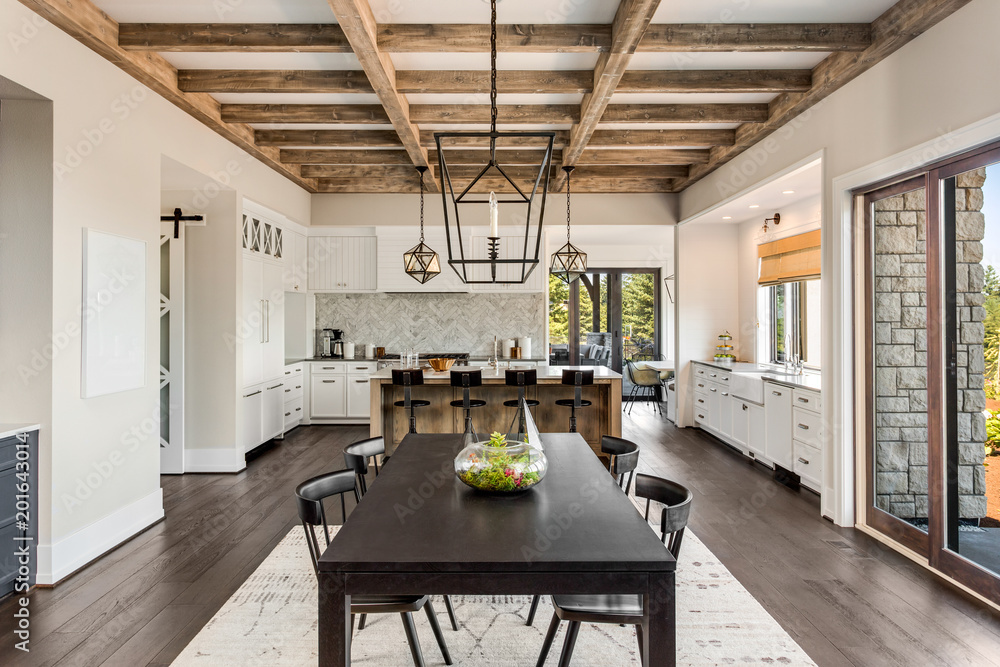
[[271, 620]]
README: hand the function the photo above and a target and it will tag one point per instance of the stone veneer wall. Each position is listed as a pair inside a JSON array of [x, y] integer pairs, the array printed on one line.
[[901, 351]]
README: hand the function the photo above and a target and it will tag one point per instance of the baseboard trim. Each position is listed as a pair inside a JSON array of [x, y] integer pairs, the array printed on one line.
[[61, 559], [214, 460]]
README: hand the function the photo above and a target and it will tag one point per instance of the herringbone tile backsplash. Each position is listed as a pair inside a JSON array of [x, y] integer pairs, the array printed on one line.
[[435, 322]]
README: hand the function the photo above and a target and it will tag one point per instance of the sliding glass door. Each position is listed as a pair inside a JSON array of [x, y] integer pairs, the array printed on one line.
[[932, 355], [605, 317]]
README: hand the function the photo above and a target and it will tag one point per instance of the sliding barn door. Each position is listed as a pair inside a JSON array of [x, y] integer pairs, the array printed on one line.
[[171, 349]]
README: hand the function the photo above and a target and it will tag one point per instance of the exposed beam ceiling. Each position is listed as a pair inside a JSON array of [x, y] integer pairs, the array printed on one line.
[[88, 24], [603, 138]]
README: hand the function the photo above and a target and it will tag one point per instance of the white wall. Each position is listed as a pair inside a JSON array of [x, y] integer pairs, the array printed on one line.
[[922, 94], [109, 135], [707, 302], [404, 209]]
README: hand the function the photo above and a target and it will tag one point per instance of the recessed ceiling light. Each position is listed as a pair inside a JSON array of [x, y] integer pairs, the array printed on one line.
[[727, 217], [754, 205], [788, 192]]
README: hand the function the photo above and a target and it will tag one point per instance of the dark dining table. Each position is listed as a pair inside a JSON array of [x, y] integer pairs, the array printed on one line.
[[420, 531]]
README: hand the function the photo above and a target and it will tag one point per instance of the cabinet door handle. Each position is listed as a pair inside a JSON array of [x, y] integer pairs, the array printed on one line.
[[362, 381], [701, 385], [298, 409], [803, 427], [298, 386], [776, 393], [288, 414], [701, 416], [261, 333], [713, 389], [725, 393], [803, 400], [276, 386], [745, 408], [715, 375], [329, 381], [288, 391], [253, 394], [360, 368], [289, 373], [803, 461], [329, 368], [701, 400]]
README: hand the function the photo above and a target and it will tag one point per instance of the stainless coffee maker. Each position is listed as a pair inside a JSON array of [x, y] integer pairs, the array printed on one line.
[[324, 341], [337, 344]]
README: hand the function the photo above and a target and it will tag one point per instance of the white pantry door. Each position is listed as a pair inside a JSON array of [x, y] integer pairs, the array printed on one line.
[[171, 349]]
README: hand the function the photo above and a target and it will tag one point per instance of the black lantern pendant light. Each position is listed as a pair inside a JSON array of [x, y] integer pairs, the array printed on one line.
[[420, 262], [568, 263], [483, 262]]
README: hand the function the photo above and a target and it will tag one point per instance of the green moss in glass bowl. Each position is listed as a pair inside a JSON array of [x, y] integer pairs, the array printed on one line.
[[501, 466]]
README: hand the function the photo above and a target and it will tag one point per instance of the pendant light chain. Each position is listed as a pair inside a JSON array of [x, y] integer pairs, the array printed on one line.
[[493, 66], [569, 174], [421, 205]]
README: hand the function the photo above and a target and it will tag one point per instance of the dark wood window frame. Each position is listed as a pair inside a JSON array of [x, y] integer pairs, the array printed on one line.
[[941, 379]]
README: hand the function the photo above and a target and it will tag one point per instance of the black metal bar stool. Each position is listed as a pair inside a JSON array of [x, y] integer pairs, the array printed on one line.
[[520, 378], [407, 378], [466, 379], [577, 378]]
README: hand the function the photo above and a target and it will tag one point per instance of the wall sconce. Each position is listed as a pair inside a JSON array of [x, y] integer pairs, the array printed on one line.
[[776, 219]]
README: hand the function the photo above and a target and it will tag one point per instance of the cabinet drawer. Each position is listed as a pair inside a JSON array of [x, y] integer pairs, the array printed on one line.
[[329, 368], [293, 389], [808, 465], [701, 386], [701, 402], [700, 371], [702, 416], [807, 400], [8, 454], [361, 367], [295, 370], [293, 412], [718, 376], [807, 427]]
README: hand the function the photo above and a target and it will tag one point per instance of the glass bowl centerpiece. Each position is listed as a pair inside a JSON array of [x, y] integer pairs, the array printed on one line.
[[501, 466]]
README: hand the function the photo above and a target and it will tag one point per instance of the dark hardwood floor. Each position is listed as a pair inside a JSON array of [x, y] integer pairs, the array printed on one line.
[[846, 599]]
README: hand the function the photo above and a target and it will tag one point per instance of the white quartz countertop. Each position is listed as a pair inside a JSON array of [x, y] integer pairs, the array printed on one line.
[[10, 430], [544, 372], [811, 380]]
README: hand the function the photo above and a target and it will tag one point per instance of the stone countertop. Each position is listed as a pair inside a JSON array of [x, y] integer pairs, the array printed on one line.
[[10, 430], [546, 374], [811, 380], [483, 357]]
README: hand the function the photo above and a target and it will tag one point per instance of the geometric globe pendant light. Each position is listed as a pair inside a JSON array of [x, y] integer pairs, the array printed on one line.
[[569, 262], [420, 262]]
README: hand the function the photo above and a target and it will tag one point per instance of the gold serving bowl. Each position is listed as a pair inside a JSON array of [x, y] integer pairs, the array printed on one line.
[[441, 365]]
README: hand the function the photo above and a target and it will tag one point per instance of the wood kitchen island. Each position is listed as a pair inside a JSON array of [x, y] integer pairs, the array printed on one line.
[[604, 417]]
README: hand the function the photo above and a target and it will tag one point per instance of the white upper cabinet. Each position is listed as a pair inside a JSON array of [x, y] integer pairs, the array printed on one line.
[[296, 261], [510, 247], [393, 242], [342, 263]]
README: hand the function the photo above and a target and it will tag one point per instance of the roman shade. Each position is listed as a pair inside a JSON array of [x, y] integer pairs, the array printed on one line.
[[789, 260]]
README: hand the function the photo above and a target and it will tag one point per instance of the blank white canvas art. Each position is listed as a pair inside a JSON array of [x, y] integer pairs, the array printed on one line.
[[114, 314]]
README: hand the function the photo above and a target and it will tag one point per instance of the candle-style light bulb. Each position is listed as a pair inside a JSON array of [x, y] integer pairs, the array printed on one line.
[[494, 215]]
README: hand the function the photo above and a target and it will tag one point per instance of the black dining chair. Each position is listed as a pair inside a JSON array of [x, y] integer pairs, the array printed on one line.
[[408, 378], [621, 609], [309, 496], [577, 379], [356, 456], [624, 460]]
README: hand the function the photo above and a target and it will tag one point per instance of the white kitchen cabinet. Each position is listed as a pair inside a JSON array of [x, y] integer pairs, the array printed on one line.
[[510, 247], [263, 234], [808, 465], [295, 262], [251, 431], [726, 404], [328, 396], [342, 263], [391, 276], [294, 395], [358, 397], [274, 321], [251, 322], [272, 411], [757, 432], [741, 424], [777, 424]]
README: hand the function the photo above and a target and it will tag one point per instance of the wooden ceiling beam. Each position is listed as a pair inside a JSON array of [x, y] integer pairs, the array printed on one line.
[[613, 156], [406, 184], [631, 21], [344, 157], [479, 114], [330, 138], [474, 82], [427, 139], [359, 171], [227, 37], [474, 38], [82, 20], [273, 81], [714, 81], [900, 24], [358, 23], [750, 37], [662, 138]]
